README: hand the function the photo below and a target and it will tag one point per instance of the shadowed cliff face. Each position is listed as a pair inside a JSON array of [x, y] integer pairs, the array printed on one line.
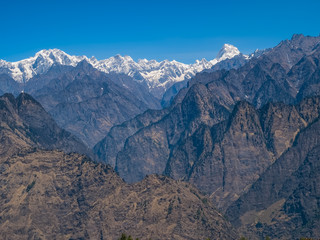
[[24, 123], [224, 160]]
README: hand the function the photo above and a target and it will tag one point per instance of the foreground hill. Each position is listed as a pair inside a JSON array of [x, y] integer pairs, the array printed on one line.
[[51, 195]]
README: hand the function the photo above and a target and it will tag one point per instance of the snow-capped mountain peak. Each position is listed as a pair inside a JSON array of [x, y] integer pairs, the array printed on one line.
[[228, 51], [23, 70], [157, 75]]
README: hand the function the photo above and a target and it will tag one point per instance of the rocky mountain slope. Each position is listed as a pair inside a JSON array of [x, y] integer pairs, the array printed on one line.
[[284, 202], [49, 194]]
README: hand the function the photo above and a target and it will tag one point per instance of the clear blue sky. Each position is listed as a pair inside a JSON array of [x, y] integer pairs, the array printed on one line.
[[180, 30]]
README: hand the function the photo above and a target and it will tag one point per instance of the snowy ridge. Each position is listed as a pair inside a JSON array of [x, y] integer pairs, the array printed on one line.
[[156, 74], [23, 70]]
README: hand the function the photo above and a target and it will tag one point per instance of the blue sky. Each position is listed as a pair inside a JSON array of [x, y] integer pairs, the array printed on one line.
[[180, 30]]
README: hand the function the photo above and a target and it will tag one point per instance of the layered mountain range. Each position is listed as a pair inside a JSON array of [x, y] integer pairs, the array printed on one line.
[[226, 128], [47, 193], [88, 102], [87, 97], [283, 73], [242, 129]]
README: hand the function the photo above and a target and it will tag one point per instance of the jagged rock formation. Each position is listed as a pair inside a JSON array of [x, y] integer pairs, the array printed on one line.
[[226, 159]]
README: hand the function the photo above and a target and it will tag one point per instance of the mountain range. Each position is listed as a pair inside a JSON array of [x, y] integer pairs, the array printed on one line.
[[226, 129], [158, 76], [87, 97], [241, 129]]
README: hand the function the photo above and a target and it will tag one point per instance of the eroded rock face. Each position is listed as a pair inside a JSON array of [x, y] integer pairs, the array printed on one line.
[[284, 202], [224, 160]]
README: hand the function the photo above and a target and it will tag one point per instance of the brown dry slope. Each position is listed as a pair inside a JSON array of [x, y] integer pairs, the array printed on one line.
[[53, 195]]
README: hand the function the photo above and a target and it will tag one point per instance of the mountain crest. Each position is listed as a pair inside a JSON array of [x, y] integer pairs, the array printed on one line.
[[227, 51]]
